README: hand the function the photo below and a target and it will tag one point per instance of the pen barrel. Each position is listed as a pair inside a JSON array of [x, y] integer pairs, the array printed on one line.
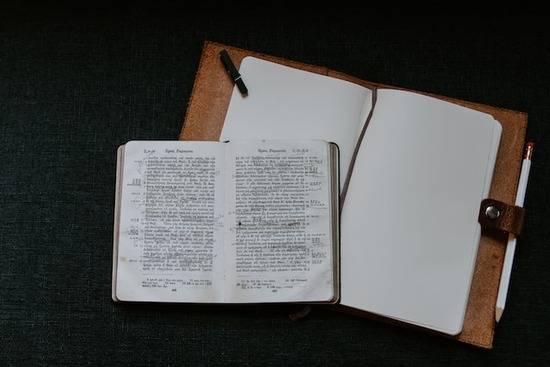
[[522, 184]]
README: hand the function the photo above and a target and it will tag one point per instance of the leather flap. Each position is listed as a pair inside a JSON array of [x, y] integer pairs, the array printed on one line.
[[495, 214]]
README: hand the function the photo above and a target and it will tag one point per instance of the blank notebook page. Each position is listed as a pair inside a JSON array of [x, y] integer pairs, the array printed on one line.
[[287, 103], [409, 222]]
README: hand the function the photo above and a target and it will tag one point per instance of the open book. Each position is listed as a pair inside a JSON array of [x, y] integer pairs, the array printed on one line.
[[414, 178], [235, 222]]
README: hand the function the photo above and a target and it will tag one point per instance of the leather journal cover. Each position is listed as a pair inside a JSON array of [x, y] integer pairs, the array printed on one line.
[[204, 120]]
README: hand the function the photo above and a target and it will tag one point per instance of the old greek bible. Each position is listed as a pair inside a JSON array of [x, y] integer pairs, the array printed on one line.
[[251, 221]]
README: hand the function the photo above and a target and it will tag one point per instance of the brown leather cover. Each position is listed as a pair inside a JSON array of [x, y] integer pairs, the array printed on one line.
[[204, 120], [507, 218]]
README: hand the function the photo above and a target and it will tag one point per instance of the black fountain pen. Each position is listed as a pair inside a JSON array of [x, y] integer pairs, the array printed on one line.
[[233, 72]]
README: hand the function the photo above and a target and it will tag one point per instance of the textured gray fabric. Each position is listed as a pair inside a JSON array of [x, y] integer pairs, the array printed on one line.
[[76, 84]]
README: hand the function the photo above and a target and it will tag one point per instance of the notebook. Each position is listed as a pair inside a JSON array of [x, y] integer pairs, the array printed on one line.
[[204, 120], [409, 219]]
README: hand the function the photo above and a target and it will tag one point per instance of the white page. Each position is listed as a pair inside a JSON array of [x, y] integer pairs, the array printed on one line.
[[278, 238], [287, 103], [409, 222], [170, 240]]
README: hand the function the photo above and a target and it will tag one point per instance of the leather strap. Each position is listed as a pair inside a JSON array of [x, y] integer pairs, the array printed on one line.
[[495, 214]]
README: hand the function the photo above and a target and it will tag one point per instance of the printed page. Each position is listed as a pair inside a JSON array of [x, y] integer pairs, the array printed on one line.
[[171, 228], [278, 242], [288, 103], [409, 222]]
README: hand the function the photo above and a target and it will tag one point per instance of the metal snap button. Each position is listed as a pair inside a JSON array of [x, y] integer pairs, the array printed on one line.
[[492, 212]]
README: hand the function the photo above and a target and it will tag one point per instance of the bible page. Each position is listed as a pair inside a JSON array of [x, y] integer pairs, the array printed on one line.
[[288, 103], [171, 227], [278, 240]]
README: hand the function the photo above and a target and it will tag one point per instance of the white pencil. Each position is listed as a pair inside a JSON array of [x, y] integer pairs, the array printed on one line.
[[511, 247]]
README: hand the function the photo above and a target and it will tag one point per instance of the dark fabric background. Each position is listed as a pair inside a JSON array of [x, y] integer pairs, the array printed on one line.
[[74, 84]]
